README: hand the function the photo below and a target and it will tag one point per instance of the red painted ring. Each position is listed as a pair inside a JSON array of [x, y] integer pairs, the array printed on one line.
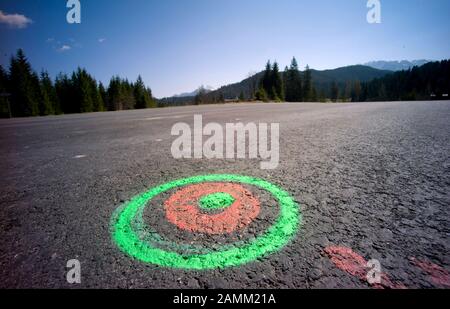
[[183, 211]]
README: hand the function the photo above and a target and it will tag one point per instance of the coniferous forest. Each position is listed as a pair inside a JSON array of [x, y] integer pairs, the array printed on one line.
[[428, 82], [26, 93]]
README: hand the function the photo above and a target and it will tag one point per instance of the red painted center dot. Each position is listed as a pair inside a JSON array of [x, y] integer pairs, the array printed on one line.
[[182, 209]]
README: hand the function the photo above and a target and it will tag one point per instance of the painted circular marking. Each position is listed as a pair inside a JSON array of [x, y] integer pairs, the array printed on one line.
[[216, 201], [183, 211], [274, 239]]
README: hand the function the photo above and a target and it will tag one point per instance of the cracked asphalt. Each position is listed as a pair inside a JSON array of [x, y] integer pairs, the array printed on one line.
[[372, 177]]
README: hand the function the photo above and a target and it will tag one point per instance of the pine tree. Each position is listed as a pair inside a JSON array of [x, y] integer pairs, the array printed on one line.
[[153, 102], [99, 104], [66, 94], [200, 98], [103, 95], [221, 98], [286, 83], [253, 85], [313, 94], [242, 96], [307, 85], [364, 92], [382, 92], [266, 81], [261, 94], [334, 92], [347, 93], [128, 98], [114, 94], [4, 101], [356, 91], [84, 91], [3, 79], [120, 95], [24, 87], [141, 95], [277, 90], [293, 83], [322, 96], [48, 104], [4, 106]]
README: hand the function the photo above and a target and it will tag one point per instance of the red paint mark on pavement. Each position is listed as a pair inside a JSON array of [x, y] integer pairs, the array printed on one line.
[[347, 260], [183, 211], [437, 274], [354, 264]]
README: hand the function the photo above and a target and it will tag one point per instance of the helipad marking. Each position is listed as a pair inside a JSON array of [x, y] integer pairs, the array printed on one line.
[[129, 240], [182, 208]]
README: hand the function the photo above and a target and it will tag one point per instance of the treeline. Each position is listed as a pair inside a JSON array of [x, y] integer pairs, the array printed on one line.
[[289, 86], [25, 93], [348, 84], [427, 82], [430, 81], [269, 85]]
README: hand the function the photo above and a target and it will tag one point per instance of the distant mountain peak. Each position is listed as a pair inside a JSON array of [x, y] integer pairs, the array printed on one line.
[[194, 93], [396, 65]]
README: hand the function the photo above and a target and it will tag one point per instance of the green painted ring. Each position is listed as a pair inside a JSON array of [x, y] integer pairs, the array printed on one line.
[[275, 238]]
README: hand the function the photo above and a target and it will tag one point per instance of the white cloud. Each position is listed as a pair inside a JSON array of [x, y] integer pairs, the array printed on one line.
[[64, 48], [14, 20], [101, 40]]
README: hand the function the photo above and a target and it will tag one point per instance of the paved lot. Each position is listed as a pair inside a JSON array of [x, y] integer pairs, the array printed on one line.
[[373, 178]]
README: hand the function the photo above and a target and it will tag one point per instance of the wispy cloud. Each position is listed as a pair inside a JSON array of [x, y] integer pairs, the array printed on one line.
[[17, 21], [64, 48], [65, 45], [101, 40]]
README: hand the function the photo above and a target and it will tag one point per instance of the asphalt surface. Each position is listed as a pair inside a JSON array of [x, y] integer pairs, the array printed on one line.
[[373, 177]]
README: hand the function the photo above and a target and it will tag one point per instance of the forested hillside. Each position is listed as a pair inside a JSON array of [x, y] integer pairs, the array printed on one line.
[[321, 80], [26, 93], [348, 84]]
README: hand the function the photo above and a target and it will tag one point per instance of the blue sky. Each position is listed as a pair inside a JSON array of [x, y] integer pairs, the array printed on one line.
[[178, 45]]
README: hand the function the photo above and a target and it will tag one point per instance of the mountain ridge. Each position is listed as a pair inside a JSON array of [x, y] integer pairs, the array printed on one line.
[[193, 93], [322, 80], [396, 65]]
